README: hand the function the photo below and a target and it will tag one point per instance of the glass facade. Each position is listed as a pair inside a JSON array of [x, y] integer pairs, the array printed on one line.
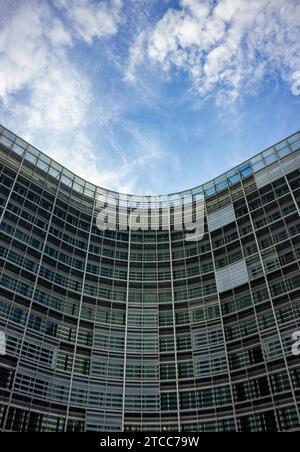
[[142, 330]]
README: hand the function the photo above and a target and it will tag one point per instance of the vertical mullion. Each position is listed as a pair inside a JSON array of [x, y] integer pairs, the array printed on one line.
[[14, 182], [272, 306], [80, 309], [223, 327], [174, 319], [126, 324], [32, 299], [257, 323]]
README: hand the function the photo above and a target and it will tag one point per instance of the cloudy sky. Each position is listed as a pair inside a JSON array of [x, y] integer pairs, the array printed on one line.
[[150, 96]]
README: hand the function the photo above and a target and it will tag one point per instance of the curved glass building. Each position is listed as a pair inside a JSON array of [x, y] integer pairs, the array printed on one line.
[[141, 329]]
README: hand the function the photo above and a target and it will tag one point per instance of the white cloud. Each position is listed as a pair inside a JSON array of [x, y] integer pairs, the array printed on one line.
[[21, 52], [91, 20], [59, 35], [136, 57], [225, 49], [45, 98], [144, 155], [59, 100], [227, 46]]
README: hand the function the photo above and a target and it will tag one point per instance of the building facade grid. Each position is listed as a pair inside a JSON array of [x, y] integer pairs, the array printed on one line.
[[142, 330]]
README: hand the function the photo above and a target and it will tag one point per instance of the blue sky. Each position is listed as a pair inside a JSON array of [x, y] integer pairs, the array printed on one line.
[[148, 96]]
